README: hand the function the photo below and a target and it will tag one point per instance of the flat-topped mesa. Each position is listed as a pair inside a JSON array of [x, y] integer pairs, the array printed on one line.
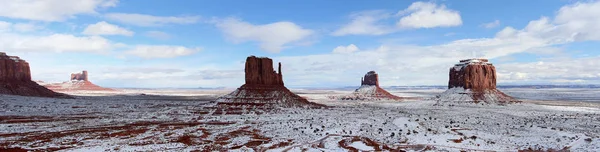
[[83, 76], [476, 74], [262, 92], [473, 81], [259, 71], [15, 79], [371, 78], [13, 68]]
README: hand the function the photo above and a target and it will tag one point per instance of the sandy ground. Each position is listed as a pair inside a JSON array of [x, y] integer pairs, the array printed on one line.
[[183, 120]]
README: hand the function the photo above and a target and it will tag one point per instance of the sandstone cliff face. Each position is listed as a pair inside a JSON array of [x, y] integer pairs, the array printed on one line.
[[263, 91], [13, 68], [259, 71], [371, 78], [474, 80], [15, 79], [476, 77]]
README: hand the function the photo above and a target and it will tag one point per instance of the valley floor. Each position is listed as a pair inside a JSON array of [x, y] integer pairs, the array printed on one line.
[[156, 121]]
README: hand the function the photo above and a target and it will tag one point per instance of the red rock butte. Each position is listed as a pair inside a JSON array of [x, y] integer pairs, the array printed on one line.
[[83, 76], [369, 90], [474, 80], [79, 82], [475, 74], [263, 90], [15, 79], [371, 78]]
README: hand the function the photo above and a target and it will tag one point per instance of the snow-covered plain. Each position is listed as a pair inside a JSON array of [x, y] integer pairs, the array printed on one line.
[[182, 120]]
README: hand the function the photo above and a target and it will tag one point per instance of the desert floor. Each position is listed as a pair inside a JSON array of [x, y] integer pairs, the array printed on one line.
[[183, 120]]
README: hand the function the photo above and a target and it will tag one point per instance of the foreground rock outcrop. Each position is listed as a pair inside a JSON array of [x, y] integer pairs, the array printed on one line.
[[78, 82], [370, 90], [263, 91], [15, 79], [473, 81]]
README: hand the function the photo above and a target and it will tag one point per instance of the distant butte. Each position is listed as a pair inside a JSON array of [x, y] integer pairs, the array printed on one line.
[[369, 90], [263, 90], [473, 81], [79, 82], [15, 79]]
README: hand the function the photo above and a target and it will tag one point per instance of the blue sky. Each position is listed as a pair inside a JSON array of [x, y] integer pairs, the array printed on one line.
[[320, 43]]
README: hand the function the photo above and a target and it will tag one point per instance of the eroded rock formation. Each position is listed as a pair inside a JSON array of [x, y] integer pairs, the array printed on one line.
[[79, 82], [370, 90], [263, 90], [474, 80], [83, 76], [371, 78], [15, 79]]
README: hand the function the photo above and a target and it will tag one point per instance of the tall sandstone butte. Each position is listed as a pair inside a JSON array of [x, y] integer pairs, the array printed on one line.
[[371, 78], [259, 71], [474, 80], [263, 91], [79, 82], [369, 90], [83, 76], [15, 79], [474, 74]]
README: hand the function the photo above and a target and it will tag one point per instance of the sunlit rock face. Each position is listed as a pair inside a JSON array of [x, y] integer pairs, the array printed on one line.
[[15, 79], [263, 90], [473, 81], [476, 74]]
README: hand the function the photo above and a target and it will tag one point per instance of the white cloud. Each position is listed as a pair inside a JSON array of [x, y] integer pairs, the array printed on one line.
[[18, 27], [158, 35], [5, 26], [51, 10], [429, 15], [54, 43], [346, 49], [366, 23], [493, 24], [103, 28], [160, 51], [272, 37], [428, 65], [552, 70], [417, 15], [150, 20]]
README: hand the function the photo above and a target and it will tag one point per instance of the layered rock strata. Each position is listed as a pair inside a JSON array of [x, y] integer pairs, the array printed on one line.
[[263, 91], [15, 79], [473, 81]]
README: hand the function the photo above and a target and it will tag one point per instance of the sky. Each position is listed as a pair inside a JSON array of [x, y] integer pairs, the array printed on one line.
[[201, 43]]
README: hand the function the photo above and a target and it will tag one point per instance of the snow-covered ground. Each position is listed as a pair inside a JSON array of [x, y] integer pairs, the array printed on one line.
[[182, 120]]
